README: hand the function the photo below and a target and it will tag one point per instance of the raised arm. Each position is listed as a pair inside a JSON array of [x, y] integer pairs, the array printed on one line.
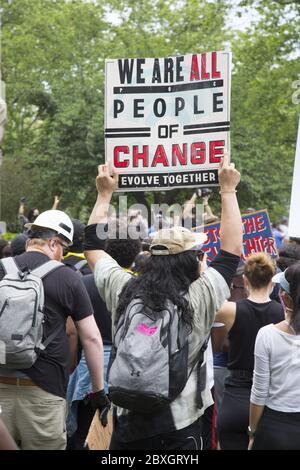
[[189, 206], [231, 231], [105, 185], [21, 212], [55, 202]]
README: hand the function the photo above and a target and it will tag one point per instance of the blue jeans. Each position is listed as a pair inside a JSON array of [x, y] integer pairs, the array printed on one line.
[[80, 386]]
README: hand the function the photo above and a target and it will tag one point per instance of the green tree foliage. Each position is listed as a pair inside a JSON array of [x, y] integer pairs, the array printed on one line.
[[264, 116], [53, 56], [53, 66]]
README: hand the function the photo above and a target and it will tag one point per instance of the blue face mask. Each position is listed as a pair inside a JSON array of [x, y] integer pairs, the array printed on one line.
[[285, 285], [280, 279]]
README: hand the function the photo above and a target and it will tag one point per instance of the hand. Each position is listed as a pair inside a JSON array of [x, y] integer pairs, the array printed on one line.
[[205, 200], [193, 198], [105, 183], [100, 402], [55, 203], [229, 177]]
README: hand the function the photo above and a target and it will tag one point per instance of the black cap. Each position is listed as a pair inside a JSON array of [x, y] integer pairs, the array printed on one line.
[[18, 244], [78, 235]]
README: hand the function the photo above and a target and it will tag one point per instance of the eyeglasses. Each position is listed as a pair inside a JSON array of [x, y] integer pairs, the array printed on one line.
[[64, 247], [200, 254]]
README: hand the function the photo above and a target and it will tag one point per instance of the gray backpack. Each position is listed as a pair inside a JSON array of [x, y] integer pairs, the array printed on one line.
[[149, 358], [22, 314]]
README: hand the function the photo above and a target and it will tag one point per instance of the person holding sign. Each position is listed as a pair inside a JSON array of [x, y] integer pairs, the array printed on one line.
[[172, 274]]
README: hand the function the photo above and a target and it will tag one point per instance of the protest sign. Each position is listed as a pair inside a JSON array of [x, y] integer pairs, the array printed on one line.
[[294, 219], [257, 236], [167, 120]]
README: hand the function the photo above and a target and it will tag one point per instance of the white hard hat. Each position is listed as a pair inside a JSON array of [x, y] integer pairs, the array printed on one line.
[[54, 220]]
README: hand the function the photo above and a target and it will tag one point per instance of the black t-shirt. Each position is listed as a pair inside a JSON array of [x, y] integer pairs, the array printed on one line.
[[250, 317], [102, 316], [226, 264], [72, 260], [65, 295]]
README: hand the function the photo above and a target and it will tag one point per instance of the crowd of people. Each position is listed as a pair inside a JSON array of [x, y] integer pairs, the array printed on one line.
[[249, 397], [180, 355]]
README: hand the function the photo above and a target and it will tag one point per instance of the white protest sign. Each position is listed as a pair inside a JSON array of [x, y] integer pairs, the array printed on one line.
[[294, 219], [167, 120]]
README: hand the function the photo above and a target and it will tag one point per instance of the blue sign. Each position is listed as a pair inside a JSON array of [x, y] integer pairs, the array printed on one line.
[[257, 236]]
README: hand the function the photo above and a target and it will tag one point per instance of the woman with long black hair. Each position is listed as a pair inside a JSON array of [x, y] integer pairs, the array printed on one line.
[[172, 274], [275, 397], [161, 278]]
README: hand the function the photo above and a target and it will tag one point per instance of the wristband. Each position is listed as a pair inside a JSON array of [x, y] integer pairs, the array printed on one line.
[[100, 393], [229, 191], [91, 239]]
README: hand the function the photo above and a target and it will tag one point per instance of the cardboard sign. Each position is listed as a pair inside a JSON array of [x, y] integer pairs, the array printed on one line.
[[294, 219], [167, 120], [257, 236], [99, 437]]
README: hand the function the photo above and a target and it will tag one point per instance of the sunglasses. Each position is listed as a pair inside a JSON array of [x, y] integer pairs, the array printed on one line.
[[63, 245]]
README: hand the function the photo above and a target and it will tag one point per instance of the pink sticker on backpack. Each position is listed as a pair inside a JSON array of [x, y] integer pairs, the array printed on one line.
[[146, 330]]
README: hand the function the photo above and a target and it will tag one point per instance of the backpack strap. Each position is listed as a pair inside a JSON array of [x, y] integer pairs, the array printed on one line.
[[41, 272], [9, 265], [201, 373], [46, 268], [80, 264], [49, 339]]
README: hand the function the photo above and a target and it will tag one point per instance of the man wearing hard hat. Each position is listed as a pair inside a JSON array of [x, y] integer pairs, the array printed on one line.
[[33, 399]]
